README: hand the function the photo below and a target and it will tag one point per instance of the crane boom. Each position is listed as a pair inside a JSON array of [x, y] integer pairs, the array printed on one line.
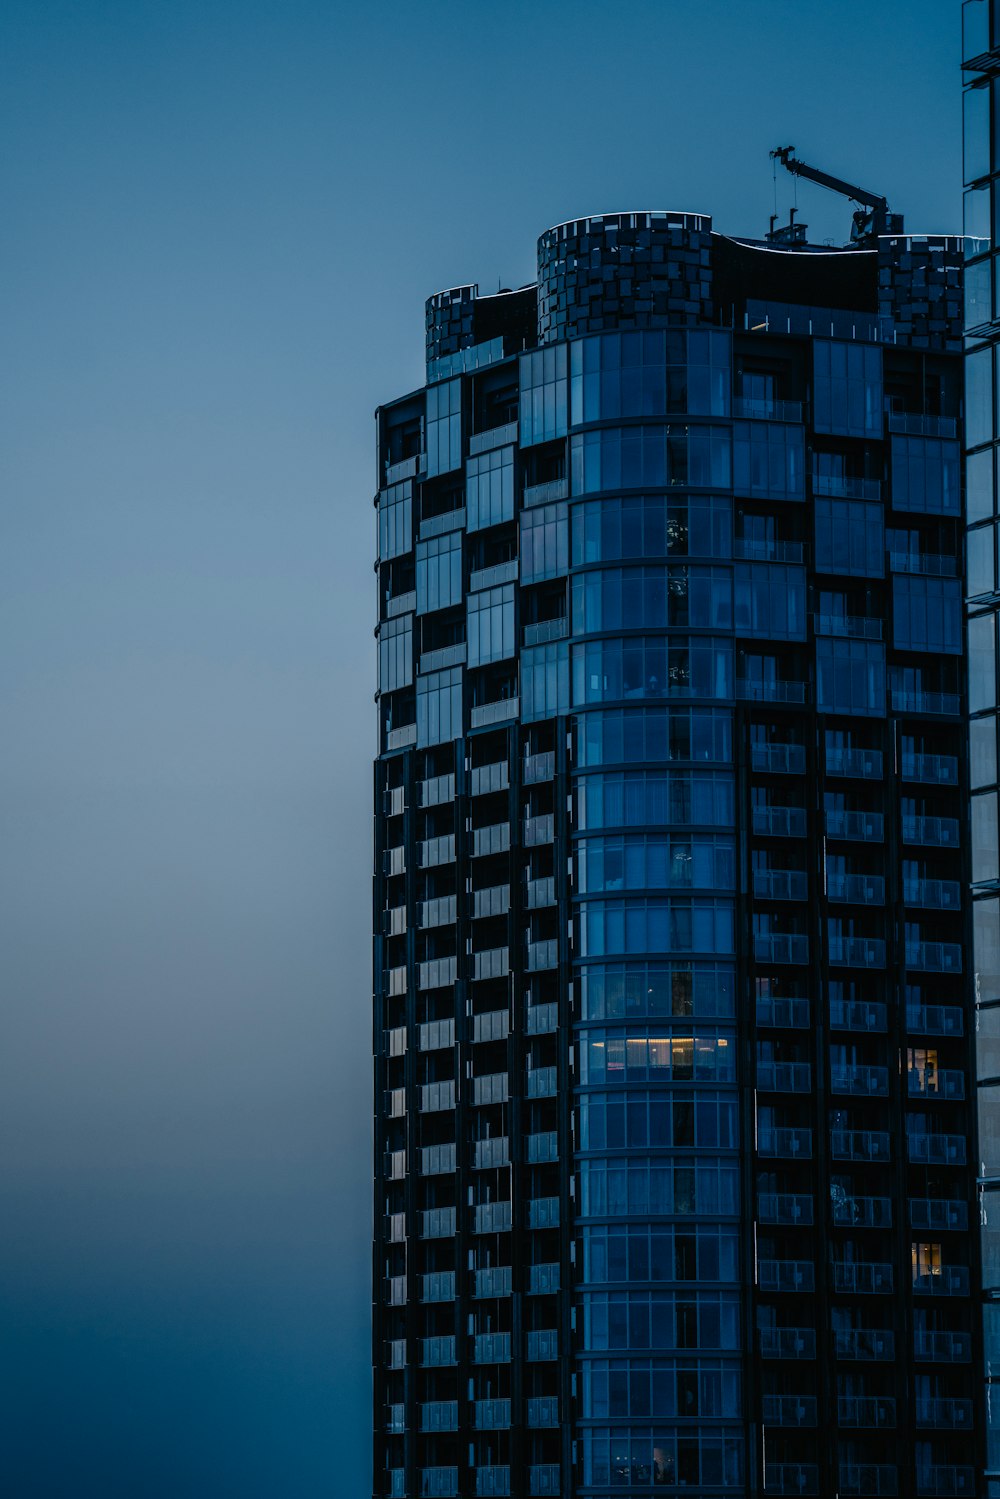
[[872, 217]]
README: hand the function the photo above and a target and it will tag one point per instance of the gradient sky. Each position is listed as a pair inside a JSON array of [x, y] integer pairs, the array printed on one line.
[[218, 225]]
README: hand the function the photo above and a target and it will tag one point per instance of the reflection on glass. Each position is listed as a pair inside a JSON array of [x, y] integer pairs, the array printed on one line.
[[979, 397], [985, 849], [982, 663], [977, 133], [979, 492], [983, 751]]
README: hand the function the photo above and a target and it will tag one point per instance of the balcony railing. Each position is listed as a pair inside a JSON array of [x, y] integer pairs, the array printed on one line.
[[492, 1153], [491, 1025], [787, 1144], [539, 830], [868, 1015], [432, 852], [876, 1344], [541, 1346], [935, 1020], [865, 1412], [439, 1415], [859, 1145], [437, 1352], [946, 1479], [768, 410], [784, 1077], [783, 1014], [541, 767], [436, 1097], [492, 963], [933, 770], [495, 1281], [441, 911], [862, 1212], [545, 1478], [494, 839], [542, 1082], [543, 1212], [752, 691], [492, 1415], [438, 1483], [794, 1209], [437, 525], [542, 955], [437, 973], [781, 884], [944, 1414], [858, 827], [436, 790], [493, 437], [939, 1214], [788, 1410], [779, 822], [932, 564], [488, 778], [936, 1150], [543, 1280], [447, 655], [494, 900], [942, 1347], [491, 1348], [934, 832], [780, 947], [909, 700], [848, 626], [437, 1035], [437, 1223], [492, 1481], [854, 764], [858, 1080], [787, 1342], [542, 1019], [778, 759], [542, 1147], [439, 1285], [541, 893], [915, 424], [768, 551], [862, 1278], [545, 630], [934, 957], [543, 1411], [839, 486], [856, 889], [501, 711], [857, 952], [791, 1478], [545, 494], [949, 1280], [868, 1478], [935, 1082], [490, 1088], [781, 1276], [438, 1160], [493, 577], [936, 895]]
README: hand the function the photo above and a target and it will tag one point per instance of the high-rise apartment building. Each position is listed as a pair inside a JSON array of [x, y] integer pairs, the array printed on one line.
[[675, 1161], [981, 68]]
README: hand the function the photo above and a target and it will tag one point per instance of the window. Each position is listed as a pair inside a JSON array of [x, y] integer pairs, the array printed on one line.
[[444, 427], [850, 676], [706, 1055], [617, 991], [769, 460], [490, 630], [981, 561], [986, 949], [847, 393], [439, 572], [927, 614], [655, 861], [645, 1187], [637, 734], [489, 488], [643, 526], [980, 499], [545, 680], [395, 653], [544, 542], [770, 601], [979, 415], [985, 833], [983, 751], [543, 395], [849, 538], [926, 475], [439, 706], [652, 598], [976, 132], [683, 924], [652, 667], [650, 373], [638, 798], [982, 663], [637, 457], [395, 520]]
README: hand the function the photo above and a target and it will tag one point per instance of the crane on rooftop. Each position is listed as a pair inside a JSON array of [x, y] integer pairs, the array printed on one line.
[[871, 217]]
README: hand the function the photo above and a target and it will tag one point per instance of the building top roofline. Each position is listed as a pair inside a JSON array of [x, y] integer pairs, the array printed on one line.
[[630, 213]]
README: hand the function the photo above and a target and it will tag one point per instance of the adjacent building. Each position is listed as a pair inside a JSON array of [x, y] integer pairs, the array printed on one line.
[[675, 1126], [981, 66]]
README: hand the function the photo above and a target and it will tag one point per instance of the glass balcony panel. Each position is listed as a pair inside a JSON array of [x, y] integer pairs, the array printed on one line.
[[944, 1414], [787, 1342], [778, 759], [936, 1150], [937, 895], [542, 1346], [942, 1347], [934, 770], [493, 1281], [439, 1285], [859, 1145], [868, 1478], [865, 1344], [781, 884], [855, 827], [794, 1209], [791, 1478], [788, 1410], [856, 889], [854, 764], [784, 1077], [781, 947], [931, 832], [862, 1212], [946, 1479], [786, 1276], [785, 1144], [862, 1278], [939, 1214], [950, 1280], [856, 952], [783, 1014], [779, 822], [858, 1015], [935, 1020], [866, 1082], [543, 1280]]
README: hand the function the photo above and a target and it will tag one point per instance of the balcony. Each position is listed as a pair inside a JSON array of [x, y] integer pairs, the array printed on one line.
[[541, 1148], [931, 832], [491, 1088], [788, 1410], [784, 1077], [862, 1212], [545, 1479], [791, 1209], [436, 791], [781, 884], [437, 973], [869, 1478], [395, 981], [543, 1412], [942, 1347], [946, 1479], [438, 1483], [914, 424], [437, 1353], [931, 564], [437, 525], [432, 852], [780, 947], [936, 1083], [538, 768], [491, 1348], [855, 889], [858, 1080], [439, 1415], [786, 1276], [395, 1421], [493, 577], [783, 1014], [859, 1145], [944, 1415], [854, 764], [768, 410], [950, 1280], [778, 759], [932, 770], [493, 901], [857, 952], [543, 1212], [864, 1278], [402, 603], [441, 911], [439, 1285], [848, 626], [545, 494], [936, 895], [935, 1150], [939, 1214], [772, 691], [864, 1344], [495, 1281], [488, 778], [492, 963], [541, 893], [785, 1144], [839, 486], [436, 1097], [545, 630], [539, 830], [491, 1154], [493, 437], [791, 1478], [768, 551], [787, 1342], [501, 711], [404, 468], [447, 655], [491, 1481], [437, 1223], [542, 955], [438, 1160], [542, 1082], [542, 1020], [491, 1025], [929, 704], [491, 1415], [543, 1280], [935, 1020], [494, 839], [856, 827], [779, 822], [542, 1346], [867, 1015]]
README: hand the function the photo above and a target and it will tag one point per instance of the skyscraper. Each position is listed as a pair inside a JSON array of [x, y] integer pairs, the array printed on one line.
[[981, 68], [674, 1175]]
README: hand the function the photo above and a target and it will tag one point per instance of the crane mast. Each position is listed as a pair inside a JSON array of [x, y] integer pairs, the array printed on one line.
[[872, 216]]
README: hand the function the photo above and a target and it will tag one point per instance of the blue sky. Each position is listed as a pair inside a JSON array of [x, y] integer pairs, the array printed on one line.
[[220, 224]]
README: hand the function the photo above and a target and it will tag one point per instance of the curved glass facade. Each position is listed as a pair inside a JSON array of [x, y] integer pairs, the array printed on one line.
[[671, 1027]]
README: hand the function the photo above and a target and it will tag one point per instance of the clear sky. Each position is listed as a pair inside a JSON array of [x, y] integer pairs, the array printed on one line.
[[218, 225]]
